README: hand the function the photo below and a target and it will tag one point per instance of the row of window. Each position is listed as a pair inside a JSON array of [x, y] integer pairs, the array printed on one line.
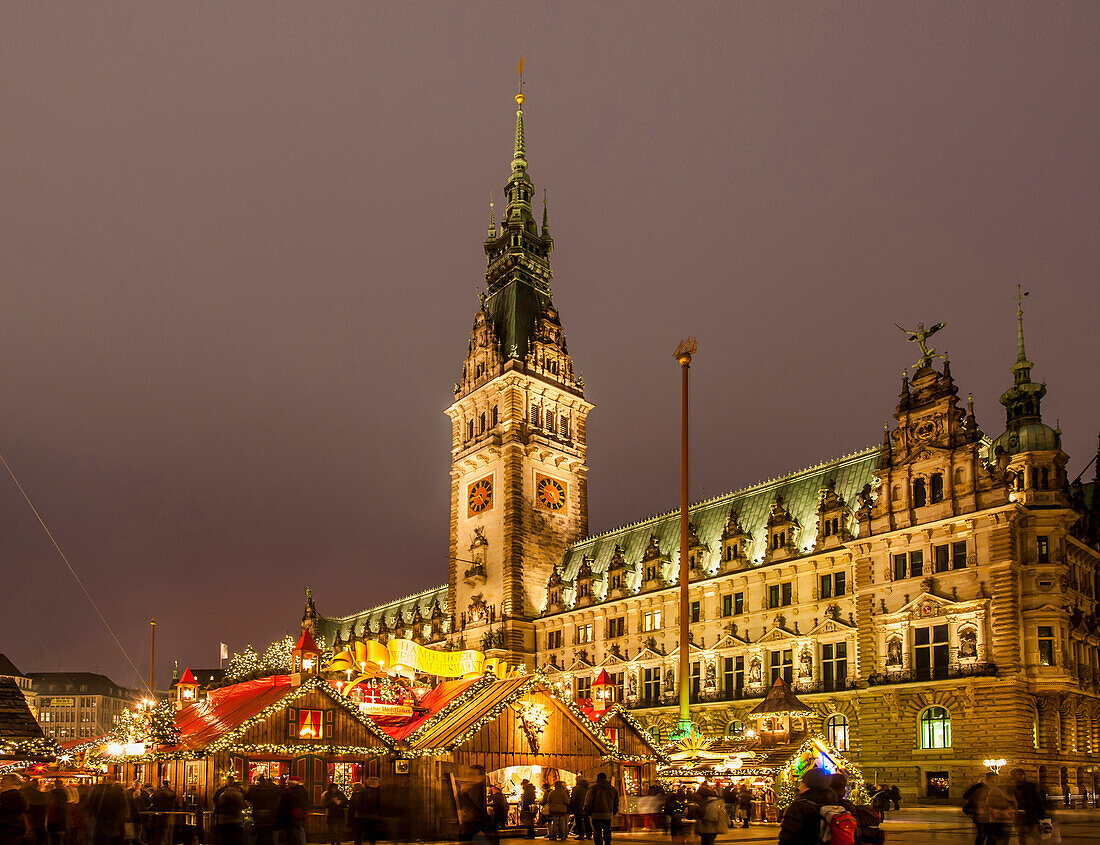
[[487, 420], [944, 558], [549, 420]]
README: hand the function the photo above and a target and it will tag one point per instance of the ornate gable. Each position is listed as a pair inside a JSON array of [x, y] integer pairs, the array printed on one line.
[[782, 532], [736, 543], [834, 519]]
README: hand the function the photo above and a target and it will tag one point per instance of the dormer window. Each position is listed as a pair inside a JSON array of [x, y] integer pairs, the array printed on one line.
[[651, 571], [584, 589], [779, 540], [731, 551]]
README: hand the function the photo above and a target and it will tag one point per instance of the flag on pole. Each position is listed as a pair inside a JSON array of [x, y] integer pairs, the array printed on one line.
[[223, 654], [519, 67]]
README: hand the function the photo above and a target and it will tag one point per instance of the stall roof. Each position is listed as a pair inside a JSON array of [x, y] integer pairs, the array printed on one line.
[[228, 708], [16, 720], [780, 699], [434, 702]]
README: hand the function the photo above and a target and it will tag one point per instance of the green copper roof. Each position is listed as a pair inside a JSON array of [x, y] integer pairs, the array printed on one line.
[[801, 492], [343, 627]]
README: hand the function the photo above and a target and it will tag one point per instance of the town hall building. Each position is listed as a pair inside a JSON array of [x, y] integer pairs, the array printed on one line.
[[933, 598]]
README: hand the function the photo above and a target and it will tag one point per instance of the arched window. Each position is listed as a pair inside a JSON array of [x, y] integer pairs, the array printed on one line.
[[836, 731], [920, 493], [935, 728], [936, 493]]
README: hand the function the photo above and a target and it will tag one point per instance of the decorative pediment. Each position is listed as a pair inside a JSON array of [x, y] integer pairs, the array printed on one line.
[[579, 664], [692, 649], [646, 654], [776, 635], [930, 606], [618, 561], [830, 626], [612, 659], [729, 640]]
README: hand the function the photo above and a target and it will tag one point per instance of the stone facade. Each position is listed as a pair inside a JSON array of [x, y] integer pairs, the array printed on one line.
[[934, 598]]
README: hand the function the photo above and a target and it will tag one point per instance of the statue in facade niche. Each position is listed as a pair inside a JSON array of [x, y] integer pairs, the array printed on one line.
[[755, 671], [806, 664], [968, 643], [670, 681], [633, 688], [893, 652]]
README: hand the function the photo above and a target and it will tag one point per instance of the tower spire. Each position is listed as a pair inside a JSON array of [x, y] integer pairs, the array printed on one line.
[[545, 214], [492, 217], [519, 157], [1022, 368]]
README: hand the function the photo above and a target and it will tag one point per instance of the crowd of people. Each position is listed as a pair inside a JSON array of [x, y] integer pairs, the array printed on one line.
[[110, 814]]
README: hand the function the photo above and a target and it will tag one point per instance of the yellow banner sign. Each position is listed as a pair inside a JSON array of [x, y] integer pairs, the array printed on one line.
[[444, 664]]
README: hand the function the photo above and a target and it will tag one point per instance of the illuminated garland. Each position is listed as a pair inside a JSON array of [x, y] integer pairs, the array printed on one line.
[[622, 713], [36, 746], [299, 749], [312, 683]]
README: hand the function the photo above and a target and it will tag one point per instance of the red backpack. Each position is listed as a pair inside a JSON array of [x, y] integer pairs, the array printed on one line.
[[838, 826]]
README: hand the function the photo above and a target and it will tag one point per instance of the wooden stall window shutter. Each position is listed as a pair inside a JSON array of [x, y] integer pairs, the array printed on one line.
[[292, 723], [329, 722], [318, 779]]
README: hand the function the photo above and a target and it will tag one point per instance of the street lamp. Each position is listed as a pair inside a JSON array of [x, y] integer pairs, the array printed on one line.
[[995, 766]]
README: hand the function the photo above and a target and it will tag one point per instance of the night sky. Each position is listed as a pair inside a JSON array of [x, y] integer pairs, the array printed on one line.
[[240, 247]]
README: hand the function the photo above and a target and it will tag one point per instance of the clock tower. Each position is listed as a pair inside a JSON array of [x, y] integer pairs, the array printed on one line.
[[519, 482]]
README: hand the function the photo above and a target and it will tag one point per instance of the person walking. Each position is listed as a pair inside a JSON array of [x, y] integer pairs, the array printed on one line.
[[36, 811], [529, 807], [229, 814], [557, 808], [674, 809], [582, 825], [109, 810], [802, 821], [601, 804], [712, 816], [333, 801], [995, 811], [895, 797], [13, 811], [880, 801], [1029, 807], [163, 803], [498, 814], [57, 813], [291, 815], [729, 798], [744, 804], [263, 798]]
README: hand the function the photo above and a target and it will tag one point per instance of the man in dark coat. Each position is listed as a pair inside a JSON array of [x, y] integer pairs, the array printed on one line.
[[528, 807], [582, 825], [744, 804], [802, 820], [164, 802], [601, 804], [1029, 806], [263, 796]]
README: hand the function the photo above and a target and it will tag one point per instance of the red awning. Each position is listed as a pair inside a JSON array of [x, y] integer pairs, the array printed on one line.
[[227, 708]]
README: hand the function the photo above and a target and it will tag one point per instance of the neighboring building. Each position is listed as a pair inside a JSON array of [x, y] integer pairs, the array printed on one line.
[[79, 705], [934, 598], [10, 670]]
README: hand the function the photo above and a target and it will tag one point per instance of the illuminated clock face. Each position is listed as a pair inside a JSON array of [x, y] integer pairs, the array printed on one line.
[[550, 493], [479, 498]]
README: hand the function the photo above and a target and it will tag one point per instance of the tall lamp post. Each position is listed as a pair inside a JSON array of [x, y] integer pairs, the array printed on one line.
[[152, 656], [683, 724]]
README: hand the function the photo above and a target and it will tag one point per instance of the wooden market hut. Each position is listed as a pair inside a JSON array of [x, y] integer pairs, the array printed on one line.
[[519, 724], [293, 725], [771, 756], [303, 726]]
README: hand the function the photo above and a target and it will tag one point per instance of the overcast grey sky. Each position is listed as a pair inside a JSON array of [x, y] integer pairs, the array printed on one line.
[[240, 247]]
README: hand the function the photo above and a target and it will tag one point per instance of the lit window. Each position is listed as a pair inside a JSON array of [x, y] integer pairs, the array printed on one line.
[[310, 724], [584, 633], [584, 689], [1046, 645], [836, 730], [651, 620], [935, 728]]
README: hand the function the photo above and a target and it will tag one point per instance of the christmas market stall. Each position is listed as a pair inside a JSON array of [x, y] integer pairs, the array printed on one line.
[[516, 728], [769, 757], [297, 726]]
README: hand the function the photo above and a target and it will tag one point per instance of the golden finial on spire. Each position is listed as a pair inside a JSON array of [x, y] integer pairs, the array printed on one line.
[[519, 97]]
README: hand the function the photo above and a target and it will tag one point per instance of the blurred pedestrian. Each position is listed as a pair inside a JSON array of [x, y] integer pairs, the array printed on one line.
[[333, 801], [582, 825], [57, 814], [229, 814], [365, 810], [36, 811], [263, 797], [602, 805], [1029, 807], [13, 811], [529, 807], [557, 808]]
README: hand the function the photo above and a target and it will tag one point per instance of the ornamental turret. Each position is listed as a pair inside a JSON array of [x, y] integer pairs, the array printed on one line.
[[1029, 452]]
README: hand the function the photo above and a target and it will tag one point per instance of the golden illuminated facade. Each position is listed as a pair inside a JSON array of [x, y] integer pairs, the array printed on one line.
[[933, 598]]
